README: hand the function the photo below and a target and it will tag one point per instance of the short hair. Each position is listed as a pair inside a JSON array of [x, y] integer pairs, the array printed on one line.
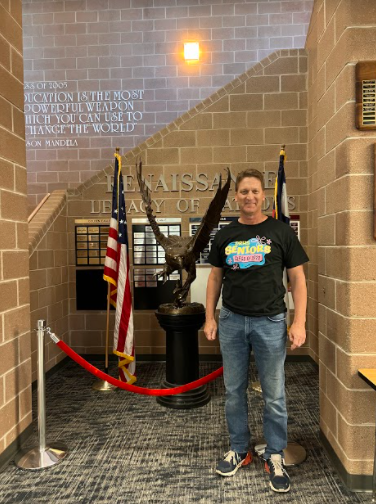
[[249, 172]]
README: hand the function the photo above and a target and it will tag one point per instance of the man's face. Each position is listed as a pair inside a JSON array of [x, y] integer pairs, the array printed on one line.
[[250, 197]]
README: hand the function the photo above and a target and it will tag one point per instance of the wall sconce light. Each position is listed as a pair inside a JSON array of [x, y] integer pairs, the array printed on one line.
[[191, 51]]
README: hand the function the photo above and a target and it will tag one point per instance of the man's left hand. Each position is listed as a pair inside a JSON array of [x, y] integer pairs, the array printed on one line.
[[297, 335]]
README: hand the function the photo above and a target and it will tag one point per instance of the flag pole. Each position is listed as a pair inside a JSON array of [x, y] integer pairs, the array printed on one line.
[[103, 385], [256, 385], [107, 326], [294, 452]]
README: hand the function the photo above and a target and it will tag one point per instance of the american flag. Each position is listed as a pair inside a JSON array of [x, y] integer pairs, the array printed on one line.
[[116, 271], [280, 203]]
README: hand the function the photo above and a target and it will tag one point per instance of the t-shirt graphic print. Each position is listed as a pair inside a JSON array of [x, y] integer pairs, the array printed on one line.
[[244, 254]]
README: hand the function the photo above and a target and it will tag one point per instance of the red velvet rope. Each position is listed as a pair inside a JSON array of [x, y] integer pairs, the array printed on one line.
[[133, 388]]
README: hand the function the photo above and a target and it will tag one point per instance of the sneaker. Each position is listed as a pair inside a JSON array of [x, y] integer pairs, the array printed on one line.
[[232, 461], [279, 479]]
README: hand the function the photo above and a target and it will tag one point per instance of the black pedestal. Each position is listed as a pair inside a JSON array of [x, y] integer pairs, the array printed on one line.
[[182, 358]]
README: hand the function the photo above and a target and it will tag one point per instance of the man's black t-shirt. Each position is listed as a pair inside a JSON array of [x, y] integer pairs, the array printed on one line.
[[253, 258]]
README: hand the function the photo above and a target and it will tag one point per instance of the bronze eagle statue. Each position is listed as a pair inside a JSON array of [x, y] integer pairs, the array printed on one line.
[[183, 252]]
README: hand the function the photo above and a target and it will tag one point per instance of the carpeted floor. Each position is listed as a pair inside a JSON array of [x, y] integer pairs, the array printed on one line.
[[125, 448]]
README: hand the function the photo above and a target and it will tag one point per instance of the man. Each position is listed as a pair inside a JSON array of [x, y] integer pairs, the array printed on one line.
[[248, 259]]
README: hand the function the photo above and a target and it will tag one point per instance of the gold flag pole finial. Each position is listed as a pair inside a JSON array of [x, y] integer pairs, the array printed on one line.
[[283, 152], [117, 150]]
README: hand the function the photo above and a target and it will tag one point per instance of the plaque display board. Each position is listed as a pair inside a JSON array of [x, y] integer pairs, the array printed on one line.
[[146, 249], [365, 75], [295, 224], [148, 290], [145, 277], [90, 251], [91, 241], [91, 245], [194, 224]]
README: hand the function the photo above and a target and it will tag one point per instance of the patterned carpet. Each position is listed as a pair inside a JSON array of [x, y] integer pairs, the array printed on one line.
[[125, 448]]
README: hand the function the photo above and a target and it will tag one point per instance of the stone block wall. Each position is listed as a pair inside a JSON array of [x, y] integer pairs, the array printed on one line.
[[15, 362], [342, 278], [109, 45], [242, 125], [48, 248]]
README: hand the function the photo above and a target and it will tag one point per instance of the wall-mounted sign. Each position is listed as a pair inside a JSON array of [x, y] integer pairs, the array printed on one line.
[[56, 116], [182, 183], [365, 75]]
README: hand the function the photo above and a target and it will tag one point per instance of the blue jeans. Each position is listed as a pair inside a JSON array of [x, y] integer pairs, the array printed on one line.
[[267, 337]]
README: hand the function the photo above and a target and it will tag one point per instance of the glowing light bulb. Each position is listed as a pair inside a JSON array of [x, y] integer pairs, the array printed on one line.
[[191, 51]]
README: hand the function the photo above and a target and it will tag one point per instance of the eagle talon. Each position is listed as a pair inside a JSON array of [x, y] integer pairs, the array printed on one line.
[[179, 300], [180, 295], [176, 291], [160, 273]]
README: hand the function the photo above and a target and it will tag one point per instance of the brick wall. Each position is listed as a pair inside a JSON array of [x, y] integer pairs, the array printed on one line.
[[241, 125], [48, 248], [342, 283], [111, 45], [15, 362]]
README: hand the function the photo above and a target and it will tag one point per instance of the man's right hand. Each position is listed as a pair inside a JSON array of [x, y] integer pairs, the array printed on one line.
[[210, 329]]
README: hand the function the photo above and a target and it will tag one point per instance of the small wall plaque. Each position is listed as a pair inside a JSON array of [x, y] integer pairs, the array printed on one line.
[[365, 75], [91, 241]]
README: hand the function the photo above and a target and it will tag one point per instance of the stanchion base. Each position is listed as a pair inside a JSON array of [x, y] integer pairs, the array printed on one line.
[[295, 454], [103, 385], [187, 400], [36, 459]]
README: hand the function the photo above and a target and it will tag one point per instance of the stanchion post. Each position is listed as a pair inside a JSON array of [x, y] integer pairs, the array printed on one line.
[[42, 456], [41, 327]]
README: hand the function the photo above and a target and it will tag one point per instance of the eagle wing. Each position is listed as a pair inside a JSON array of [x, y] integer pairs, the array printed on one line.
[[146, 198], [211, 218]]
